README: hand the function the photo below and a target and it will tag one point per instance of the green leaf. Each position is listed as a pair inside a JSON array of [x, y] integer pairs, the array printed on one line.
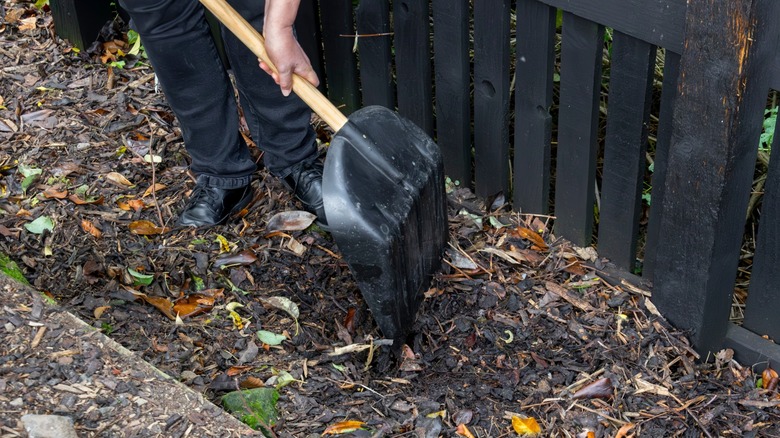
[[30, 175], [38, 226], [140, 279], [284, 378], [41, 3], [255, 407], [135, 40], [270, 338]]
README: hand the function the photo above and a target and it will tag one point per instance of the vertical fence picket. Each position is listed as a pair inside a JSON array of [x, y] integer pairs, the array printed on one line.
[[535, 38], [661, 158], [760, 317], [491, 96], [453, 102], [630, 86], [411, 31], [340, 63], [307, 30], [374, 49], [582, 45]]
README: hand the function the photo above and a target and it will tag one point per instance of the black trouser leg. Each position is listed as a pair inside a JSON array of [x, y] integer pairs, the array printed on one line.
[[281, 126], [177, 39]]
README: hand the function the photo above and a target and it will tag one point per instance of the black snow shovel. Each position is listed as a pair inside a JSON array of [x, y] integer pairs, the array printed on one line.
[[383, 190]]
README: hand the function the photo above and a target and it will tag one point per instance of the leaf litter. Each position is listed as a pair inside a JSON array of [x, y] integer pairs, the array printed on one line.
[[519, 325]]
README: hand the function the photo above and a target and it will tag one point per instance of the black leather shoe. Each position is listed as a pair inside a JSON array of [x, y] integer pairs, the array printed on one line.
[[210, 206], [305, 180]]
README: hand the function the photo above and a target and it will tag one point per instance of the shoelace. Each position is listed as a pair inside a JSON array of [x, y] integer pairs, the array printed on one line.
[[204, 193], [308, 175]]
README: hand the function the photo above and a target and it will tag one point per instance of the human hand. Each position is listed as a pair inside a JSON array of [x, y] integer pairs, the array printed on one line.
[[286, 54]]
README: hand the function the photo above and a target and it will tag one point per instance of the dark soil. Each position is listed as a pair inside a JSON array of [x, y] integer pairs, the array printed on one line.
[[517, 324]]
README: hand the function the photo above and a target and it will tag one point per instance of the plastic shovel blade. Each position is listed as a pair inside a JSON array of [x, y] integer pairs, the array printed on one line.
[[383, 190]]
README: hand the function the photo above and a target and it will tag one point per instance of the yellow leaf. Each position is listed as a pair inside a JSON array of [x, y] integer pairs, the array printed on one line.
[[442, 414], [525, 426], [343, 427], [224, 245], [98, 312], [238, 322], [464, 431]]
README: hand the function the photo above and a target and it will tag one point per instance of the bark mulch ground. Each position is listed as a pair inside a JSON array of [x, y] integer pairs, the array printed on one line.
[[518, 325]]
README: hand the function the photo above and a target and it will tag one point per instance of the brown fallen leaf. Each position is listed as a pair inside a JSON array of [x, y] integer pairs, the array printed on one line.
[[532, 236], [29, 23], [146, 228], [767, 376], [153, 188], [164, 305], [462, 430], [78, 201], [601, 388], [237, 369], [343, 427], [119, 179], [243, 258], [55, 192], [623, 431], [251, 382], [193, 305], [98, 312], [90, 228]]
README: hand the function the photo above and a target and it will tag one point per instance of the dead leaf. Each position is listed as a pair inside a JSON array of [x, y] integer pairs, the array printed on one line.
[[251, 382], [29, 23], [90, 228], [623, 431], [119, 179], [146, 228], [462, 430], [237, 369], [98, 312], [164, 305], [64, 169], [244, 258], [532, 236], [343, 427], [525, 426], [767, 376], [92, 200], [194, 304], [295, 220], [601, 388], [153, 188], [55, 192]]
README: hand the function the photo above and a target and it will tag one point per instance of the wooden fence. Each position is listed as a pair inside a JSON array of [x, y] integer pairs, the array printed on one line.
[[485, 89]]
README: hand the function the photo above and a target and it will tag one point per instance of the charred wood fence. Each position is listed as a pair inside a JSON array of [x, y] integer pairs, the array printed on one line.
[[513, 92]]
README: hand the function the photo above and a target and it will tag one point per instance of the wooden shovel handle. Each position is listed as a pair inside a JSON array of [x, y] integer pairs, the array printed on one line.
[[256, 43]]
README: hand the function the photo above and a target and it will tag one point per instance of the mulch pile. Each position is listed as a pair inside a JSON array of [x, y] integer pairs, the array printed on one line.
[[519, 329]]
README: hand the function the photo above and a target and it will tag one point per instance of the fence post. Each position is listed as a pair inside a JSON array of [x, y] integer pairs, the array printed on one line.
[[716, 123], [79, 22]]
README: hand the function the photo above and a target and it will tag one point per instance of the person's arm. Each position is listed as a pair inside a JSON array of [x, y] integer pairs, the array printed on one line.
[[282, 47]]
